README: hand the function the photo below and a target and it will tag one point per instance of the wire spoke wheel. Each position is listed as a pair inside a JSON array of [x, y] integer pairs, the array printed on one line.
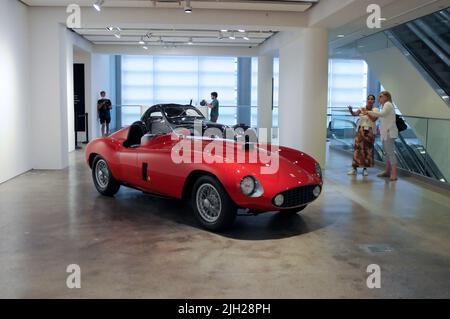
[[102, 173], [209, 203]]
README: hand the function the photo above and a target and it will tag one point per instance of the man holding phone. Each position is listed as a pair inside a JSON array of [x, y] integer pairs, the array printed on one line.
[[104, 107], [214, 106]]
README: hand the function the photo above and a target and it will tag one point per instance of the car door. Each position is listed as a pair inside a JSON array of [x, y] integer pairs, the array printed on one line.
[[157, 171], [155, 165], [128, 164]]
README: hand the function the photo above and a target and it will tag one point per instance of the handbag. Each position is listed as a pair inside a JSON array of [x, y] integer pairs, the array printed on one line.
[[400, 122]]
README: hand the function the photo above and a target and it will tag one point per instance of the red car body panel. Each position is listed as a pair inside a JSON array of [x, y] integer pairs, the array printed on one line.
[[165, 177]]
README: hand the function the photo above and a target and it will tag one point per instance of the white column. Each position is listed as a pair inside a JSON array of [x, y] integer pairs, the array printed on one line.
[[48, 96], [303, 93], [265, 76]]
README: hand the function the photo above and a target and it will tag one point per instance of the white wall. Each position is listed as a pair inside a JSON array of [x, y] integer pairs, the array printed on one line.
[[48, 89], [36, 83], [51, 81], [68, 100], [15, 101], [100, 76]]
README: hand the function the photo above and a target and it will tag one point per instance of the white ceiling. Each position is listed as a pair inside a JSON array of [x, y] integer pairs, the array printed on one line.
[[166, 20], [175, 37], [393, 13], [253, 5], [131, 33]]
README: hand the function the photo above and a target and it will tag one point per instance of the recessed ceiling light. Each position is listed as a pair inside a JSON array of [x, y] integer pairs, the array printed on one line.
[[246, 38], [241, 31], [224, 30], [145, 47], [142, 41], [117, 35], [341, 36], [232, 37], [98, 5], [190, 42]]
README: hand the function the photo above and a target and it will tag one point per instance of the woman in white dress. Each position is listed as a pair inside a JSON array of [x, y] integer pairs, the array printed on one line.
[[388, 131]]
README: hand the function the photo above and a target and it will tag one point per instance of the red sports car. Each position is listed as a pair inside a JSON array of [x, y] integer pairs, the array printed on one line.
[[175, 152]]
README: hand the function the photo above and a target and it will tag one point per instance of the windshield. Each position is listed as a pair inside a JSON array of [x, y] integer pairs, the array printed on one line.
[[175, 113]]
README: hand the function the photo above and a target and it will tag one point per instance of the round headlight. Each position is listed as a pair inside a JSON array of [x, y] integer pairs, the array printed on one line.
[[318, 170], [248, 185], [316, 191], [278, 200]]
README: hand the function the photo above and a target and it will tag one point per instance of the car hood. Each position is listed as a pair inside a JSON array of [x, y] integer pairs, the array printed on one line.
[[272, 164]]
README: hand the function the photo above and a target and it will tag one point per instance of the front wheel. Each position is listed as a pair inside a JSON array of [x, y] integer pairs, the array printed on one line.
[[293, 211], [104, 182], [213, 208]]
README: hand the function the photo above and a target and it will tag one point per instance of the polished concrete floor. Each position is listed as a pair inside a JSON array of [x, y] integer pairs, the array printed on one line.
[[139, 246]]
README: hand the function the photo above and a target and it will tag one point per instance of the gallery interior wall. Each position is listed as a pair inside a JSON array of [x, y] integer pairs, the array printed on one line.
[[15, 101]]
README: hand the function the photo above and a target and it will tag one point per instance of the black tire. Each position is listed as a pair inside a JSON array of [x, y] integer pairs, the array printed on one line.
[[108, 186], [293, 211], [224, 211]]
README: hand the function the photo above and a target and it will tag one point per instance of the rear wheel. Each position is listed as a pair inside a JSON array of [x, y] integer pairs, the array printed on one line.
[[213, 208], [293, 211], [104, 182]]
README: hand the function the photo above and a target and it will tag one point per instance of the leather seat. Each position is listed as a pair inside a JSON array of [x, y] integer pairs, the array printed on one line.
[[136, 131]]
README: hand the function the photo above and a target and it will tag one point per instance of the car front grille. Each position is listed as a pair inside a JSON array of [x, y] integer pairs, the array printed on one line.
[[298, 196]]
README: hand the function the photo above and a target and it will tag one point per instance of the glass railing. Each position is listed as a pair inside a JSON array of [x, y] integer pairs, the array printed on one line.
[[423, 149]]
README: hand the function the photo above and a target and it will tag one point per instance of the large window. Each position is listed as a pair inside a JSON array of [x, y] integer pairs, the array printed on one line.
[[149, 80], [276, 88], [347, 83]]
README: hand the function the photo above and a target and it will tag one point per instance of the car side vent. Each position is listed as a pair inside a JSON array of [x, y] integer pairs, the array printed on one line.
[[247, 145], [144, 171]]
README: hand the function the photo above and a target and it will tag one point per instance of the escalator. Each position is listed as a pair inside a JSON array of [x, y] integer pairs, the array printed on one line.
[[427, 43], [412, 157]]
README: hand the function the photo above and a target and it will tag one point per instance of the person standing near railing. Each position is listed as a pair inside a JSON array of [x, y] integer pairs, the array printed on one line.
[[389, 133], [363, 155], [214, 106], [104, 107]]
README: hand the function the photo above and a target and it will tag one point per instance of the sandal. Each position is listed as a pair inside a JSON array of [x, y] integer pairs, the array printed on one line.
[[393, 179], [384, 174]]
